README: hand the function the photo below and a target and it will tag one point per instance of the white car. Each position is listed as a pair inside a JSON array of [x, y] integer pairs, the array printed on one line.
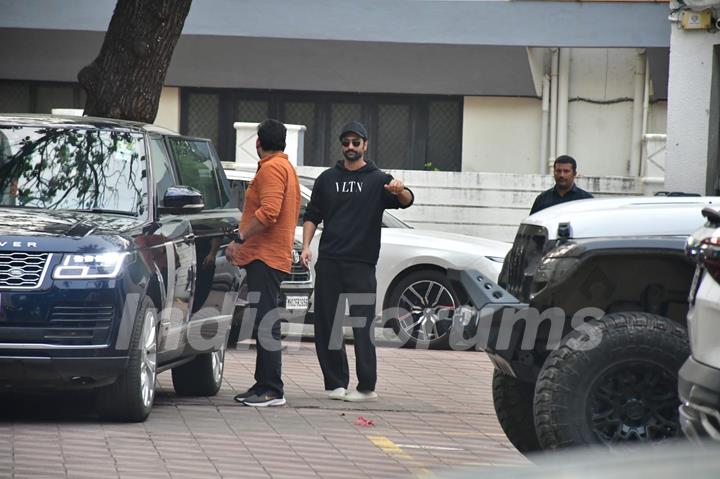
[[411, 269], [698, 378]]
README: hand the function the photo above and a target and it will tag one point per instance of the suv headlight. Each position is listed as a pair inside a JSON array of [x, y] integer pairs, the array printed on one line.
[[554, 269], [90, 266]]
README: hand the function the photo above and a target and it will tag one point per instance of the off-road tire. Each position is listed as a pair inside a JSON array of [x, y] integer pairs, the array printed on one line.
[[513, 401], [623, 389]]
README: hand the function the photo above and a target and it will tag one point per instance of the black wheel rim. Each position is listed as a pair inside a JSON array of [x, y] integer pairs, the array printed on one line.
[[426, 308], [634, 402]]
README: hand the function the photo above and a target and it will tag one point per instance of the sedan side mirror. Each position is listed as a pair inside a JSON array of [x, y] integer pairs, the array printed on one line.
[[182, 200]]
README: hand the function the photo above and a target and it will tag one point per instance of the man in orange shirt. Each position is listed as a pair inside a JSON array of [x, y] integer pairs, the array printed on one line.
[[264, 249]]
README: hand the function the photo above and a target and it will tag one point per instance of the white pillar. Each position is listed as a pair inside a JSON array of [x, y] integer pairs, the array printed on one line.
[[646, 112], [563, 97], [544, 126], [553, 102], [637, 116], [688, 117]]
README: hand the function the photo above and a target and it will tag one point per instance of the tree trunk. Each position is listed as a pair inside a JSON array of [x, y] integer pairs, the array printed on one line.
[[126, 79]]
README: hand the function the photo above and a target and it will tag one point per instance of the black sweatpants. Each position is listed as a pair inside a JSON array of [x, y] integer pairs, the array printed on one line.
[[332, 279], [265, 280]]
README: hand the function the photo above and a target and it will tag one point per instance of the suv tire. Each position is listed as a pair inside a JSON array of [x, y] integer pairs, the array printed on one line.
[[130, 397], [623, 389], [513, 401], [200, 377]]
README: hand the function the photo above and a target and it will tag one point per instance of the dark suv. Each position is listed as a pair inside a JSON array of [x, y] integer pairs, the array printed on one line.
[[587, 328], [112, 269]]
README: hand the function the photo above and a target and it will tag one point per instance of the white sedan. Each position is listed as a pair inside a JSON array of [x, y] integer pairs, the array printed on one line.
[[411, 270]]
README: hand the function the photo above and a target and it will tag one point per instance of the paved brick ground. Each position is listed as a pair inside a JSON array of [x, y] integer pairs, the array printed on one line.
[[434, 415]]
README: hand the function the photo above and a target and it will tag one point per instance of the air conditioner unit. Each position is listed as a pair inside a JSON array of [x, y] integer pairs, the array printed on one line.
[[700, 4]]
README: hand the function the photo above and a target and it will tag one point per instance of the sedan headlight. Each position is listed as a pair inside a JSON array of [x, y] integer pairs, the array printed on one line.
[[90, 266], [496, 259]]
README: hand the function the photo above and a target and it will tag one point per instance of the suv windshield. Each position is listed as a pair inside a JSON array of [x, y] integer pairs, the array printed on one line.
[[73, 169]]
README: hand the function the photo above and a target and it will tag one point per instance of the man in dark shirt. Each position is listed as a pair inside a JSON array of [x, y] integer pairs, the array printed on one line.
[[349, 200], [565, 189]]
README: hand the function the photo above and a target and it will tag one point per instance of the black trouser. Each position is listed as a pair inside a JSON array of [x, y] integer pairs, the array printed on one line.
[[333, 278], [265, 280]]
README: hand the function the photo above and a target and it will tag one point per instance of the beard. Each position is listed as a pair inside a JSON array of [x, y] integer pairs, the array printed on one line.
[[352, 155]]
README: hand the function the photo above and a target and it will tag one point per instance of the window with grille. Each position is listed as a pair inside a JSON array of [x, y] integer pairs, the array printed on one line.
[[444, 145], [302, 113], [203, 116], [413, 132], [393, 137], [251, 111], [39, 97], [14, 98], [49, 97]]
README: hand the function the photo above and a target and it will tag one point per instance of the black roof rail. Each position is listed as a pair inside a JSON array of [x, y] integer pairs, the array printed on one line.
[[675, 193]]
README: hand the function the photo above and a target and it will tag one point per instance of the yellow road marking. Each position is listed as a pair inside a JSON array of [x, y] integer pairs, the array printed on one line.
[[393, 450], [389, 447]]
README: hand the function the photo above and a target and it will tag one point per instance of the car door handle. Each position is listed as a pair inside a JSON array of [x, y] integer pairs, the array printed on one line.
[[189, 238]]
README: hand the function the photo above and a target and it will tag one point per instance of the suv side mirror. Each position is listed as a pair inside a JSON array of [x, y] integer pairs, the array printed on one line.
[[182, 200]]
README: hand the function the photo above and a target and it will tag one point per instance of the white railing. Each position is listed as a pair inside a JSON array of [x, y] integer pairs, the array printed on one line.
[[654, 156]]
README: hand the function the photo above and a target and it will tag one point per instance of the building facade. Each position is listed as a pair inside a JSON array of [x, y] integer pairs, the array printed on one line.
[[478, 95], [448, 85], [694, 105]]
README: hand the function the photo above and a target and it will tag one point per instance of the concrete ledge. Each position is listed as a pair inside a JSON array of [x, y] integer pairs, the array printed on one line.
[[489, 205]]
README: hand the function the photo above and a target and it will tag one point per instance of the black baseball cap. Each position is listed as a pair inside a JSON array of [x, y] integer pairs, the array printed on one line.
[[354, 127]]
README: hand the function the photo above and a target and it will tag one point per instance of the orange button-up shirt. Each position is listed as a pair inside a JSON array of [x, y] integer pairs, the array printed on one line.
[[274, 199]]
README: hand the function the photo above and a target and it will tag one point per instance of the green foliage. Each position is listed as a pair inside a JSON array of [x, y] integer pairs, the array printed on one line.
[[430, 167]]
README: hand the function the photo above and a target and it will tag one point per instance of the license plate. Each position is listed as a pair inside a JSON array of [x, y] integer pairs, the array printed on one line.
[[296, 302]]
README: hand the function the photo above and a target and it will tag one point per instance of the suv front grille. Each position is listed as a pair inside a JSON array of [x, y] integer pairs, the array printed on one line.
[[22, 270], [298, 273], [519, 267], [79, 325]]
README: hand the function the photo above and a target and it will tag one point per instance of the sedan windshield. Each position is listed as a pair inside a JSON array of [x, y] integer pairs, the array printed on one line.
[[72, 169]]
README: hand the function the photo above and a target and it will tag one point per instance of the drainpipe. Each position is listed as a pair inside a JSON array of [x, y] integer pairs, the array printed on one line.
[[553, 103], [563, 97], [544, 125], [637, 118], [646, 113]]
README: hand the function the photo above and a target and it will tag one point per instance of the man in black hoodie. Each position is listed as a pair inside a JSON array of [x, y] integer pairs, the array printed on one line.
[[349, 200]]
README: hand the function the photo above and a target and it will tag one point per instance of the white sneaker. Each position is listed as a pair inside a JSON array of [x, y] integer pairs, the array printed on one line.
[[337, 393], [359, 396]]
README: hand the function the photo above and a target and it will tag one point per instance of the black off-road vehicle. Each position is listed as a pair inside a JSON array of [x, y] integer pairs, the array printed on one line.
[[587, 329]]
